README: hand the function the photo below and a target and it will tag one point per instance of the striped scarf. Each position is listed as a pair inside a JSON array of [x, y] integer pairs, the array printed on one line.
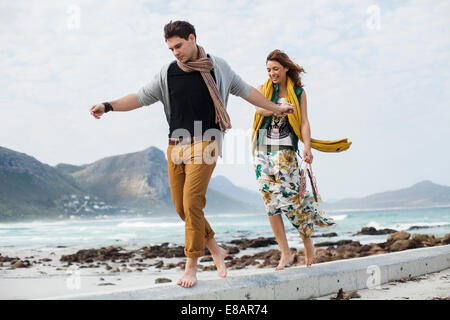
[[205, 65]]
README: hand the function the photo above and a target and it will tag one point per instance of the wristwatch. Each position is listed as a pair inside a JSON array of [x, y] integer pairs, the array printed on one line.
[[108, 107]]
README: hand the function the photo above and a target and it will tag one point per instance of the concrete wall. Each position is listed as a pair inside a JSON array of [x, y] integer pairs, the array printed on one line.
[[302, 282]]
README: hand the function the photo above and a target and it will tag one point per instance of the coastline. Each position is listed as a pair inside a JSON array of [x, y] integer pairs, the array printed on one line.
[[56, 272]]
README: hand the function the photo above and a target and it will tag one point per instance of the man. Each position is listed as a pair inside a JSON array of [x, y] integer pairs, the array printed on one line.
[[194, 90]]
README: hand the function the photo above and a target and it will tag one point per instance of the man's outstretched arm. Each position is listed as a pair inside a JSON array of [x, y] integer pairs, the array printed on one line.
[[259, 100], [127, 103]]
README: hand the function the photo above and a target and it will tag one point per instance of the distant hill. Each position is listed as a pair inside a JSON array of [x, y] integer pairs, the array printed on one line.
[[222, 184], [422, 194], [137, 183]]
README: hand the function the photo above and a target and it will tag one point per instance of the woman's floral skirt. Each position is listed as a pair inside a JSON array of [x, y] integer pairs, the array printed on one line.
[[278, 177]]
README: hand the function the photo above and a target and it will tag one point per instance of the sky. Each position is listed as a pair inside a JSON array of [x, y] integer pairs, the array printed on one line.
[[377, 73]]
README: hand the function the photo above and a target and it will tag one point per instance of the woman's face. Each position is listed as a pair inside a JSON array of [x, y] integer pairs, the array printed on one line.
[[276, 72]]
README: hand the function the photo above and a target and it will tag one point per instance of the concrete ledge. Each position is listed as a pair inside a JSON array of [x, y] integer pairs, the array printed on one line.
[[300, 282]]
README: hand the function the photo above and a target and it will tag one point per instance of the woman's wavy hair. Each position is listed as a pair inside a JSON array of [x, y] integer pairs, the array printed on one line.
[[294, 69]]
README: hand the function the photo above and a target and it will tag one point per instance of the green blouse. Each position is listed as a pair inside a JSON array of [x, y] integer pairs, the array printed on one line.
[[268, 119]]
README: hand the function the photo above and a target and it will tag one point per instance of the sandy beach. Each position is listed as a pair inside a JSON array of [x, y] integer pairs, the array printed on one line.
[[432, 286], [47, 273]]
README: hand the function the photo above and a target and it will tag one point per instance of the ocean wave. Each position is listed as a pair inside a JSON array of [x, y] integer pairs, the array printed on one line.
[[339, 217], [122, 237], [407, 226], [150, 224], [234, 215]]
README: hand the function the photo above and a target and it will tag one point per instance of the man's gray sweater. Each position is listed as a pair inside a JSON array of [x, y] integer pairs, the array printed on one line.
[[227, 82]]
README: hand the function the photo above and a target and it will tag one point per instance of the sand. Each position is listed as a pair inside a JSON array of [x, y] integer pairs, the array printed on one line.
[[426, 287]]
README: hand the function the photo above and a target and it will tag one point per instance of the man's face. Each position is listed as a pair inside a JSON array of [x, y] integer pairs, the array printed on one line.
[[182, 49]]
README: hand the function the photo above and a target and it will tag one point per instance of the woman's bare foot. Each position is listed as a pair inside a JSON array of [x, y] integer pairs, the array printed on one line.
[[310, 259], [309, 251], [189, 277], [285, 260]]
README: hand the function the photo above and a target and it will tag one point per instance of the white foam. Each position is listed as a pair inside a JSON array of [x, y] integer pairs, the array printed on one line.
[[406, 226], [339, 217], [149, 224]]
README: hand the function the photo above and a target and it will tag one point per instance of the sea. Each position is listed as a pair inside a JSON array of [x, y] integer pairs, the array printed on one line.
[[151, 230]]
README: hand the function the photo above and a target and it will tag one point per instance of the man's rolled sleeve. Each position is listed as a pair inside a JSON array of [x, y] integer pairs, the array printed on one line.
[[150, 93]]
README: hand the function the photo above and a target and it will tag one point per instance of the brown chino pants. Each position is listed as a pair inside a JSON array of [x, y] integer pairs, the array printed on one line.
[[190, 167]]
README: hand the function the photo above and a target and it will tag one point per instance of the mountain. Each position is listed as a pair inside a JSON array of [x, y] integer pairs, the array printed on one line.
[[29, 188], [422, 194], [124, 184], [137, 180]]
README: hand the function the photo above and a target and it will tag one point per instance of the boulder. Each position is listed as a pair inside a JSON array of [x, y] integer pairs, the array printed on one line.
[[446, 239], [400, 245], [373, 231], [401, 235]]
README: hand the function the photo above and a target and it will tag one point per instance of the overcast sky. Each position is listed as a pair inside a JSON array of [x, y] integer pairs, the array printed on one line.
[[377, 73]]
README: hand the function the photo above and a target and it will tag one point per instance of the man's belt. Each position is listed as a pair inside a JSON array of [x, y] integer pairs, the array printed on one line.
[[188, 140]]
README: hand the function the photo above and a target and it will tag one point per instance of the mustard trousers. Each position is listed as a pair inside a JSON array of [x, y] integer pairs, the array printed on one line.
[[190, 167]]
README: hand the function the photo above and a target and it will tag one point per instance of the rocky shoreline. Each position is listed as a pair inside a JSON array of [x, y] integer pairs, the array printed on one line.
[[117, 259]]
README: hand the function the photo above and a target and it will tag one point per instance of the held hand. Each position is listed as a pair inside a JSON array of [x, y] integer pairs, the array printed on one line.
[[97, 110], [285, 108], [307, 155]]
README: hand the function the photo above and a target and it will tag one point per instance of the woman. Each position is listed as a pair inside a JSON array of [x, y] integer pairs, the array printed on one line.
[[274, 144]]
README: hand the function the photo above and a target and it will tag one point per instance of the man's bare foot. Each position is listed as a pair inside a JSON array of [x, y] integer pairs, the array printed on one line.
[[219, 261], [189, 277], [218, 254], [285, 260]]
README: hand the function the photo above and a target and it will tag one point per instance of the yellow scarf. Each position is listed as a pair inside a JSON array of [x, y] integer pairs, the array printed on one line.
[[295, 121]]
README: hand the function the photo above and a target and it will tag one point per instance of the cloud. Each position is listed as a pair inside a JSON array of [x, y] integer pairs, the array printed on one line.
[[386, 89]]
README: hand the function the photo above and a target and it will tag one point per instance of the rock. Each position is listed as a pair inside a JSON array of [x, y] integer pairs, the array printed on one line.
[[206, 259], [162, 280], [115, 269], [329, 235], [209, 268], [103, 254], [20, 264], [231, 249], [341, 295], [401, 235], [420, 237], [162, 250], [331, 243], [373, 231], [400, 245], [254, 243], [446, 239], [106, 284], [159, 264], [364, 248]]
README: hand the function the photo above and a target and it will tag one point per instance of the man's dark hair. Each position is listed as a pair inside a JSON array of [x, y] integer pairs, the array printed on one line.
[[181, 29]]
